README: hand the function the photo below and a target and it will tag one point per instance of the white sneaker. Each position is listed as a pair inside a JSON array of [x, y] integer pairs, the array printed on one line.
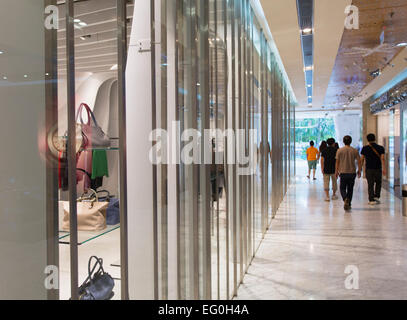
[[372, 203], [335, 198]]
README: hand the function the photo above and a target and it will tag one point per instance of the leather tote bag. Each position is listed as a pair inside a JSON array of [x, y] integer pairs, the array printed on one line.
[[91, 129], [90, 212]]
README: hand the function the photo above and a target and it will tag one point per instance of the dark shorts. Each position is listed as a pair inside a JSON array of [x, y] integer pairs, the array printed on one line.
[[312, 164]]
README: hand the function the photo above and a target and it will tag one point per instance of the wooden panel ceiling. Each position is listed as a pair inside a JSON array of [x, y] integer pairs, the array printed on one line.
[[360, 51]]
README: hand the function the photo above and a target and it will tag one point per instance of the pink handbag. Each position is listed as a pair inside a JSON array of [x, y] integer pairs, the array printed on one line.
[[94, 134]]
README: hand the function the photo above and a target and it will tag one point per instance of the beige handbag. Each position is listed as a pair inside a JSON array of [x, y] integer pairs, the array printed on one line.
[[90, 212]]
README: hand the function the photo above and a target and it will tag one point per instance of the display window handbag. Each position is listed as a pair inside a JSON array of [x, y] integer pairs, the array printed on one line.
[[99, 284], [113, 210], [92, 131], [91, 213], [88, 134]]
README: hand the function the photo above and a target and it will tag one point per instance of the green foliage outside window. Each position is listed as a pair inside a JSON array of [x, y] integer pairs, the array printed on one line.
[[316, 130]]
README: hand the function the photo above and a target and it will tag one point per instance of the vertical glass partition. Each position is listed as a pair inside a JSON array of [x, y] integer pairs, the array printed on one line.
[[110, 82]]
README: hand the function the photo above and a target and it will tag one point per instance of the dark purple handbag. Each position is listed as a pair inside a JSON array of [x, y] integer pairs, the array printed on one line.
[[113, 210]]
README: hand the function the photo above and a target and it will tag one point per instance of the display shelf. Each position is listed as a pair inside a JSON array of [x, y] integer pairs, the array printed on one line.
[[86, 236], [105, 149]]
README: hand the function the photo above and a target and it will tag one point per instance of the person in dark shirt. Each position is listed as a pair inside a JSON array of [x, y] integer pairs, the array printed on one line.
[[373, 155], [328, 163]]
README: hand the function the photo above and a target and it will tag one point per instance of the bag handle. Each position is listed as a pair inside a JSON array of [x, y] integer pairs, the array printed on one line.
[[94, 194], [83, 105], [105, 191], [99, 261], [91, 115]]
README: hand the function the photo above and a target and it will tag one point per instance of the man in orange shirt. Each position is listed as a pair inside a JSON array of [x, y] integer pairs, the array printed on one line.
[[312, 157]]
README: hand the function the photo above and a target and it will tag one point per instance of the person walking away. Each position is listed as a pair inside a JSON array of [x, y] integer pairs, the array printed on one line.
[[323, 146], [312, 158], [348, 165], [328, 167], [374, 155]]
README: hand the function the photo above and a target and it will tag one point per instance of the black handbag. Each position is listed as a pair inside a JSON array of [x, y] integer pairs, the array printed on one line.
[[98, 285]]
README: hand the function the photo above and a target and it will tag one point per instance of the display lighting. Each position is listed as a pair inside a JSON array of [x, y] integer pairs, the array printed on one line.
[[308, 68], [87, 36], [389, 99]]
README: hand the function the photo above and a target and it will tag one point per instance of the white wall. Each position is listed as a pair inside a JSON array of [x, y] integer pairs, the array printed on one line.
[[348, 124], [383, 127]]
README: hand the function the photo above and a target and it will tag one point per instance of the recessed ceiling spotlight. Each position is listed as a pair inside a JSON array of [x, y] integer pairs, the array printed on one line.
[[47, 74], [402, 44], [25, 76], [1, 52], [307, 30], [87, 36], [309, 86], [308, 68], [114, 67], [4, 78]]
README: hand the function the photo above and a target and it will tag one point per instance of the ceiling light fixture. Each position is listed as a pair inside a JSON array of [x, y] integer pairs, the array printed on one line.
[[83, 24], [87, 36], [402, 44], [4, 78], [25, 76], [307, 30], [1, 52], [114, 67], [309, 68]]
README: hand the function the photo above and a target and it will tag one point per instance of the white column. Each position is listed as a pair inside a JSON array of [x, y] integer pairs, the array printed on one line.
[[348, 124], [140, 170]]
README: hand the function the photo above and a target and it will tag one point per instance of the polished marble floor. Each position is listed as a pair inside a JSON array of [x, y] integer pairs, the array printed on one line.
[[311, 243]]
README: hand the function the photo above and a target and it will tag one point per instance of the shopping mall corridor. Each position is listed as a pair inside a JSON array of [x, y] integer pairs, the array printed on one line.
[[311, 242]]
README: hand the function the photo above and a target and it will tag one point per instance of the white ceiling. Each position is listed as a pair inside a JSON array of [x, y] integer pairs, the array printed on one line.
[[282, 19], [329, 18], [99, 52]]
